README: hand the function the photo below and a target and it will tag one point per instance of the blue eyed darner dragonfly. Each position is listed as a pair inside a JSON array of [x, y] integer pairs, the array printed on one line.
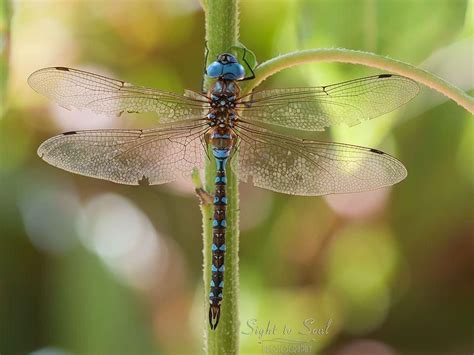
[[235, 129]]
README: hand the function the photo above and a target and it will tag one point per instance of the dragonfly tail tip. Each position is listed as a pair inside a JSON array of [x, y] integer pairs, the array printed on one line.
[[214, 315]]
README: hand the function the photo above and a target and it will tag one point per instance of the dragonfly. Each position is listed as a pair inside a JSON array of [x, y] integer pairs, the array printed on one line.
[[235, 130]]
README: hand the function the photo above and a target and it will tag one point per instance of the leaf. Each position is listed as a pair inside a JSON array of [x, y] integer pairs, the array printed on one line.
[[245, 55]]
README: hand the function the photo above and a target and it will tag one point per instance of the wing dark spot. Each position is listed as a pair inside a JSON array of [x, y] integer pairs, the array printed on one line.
[[62, 68], [385, 75], [376, 151], [69, 133]]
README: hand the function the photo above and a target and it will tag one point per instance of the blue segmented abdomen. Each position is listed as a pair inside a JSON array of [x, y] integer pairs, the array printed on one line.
[[219, 225]]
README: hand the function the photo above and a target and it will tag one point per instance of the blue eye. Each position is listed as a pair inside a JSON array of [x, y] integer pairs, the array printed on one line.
[[233, 71], [214, 70], [226, 67]]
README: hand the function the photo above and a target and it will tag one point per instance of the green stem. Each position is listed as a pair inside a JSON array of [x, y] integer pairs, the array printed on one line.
[[430, 80], [221, 34]]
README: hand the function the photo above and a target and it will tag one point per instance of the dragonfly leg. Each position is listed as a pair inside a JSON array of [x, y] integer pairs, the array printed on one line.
[[248, 66]]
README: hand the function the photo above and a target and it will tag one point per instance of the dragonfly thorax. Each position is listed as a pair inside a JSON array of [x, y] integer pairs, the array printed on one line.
[[224, 92], [222, 98], [221, 119]]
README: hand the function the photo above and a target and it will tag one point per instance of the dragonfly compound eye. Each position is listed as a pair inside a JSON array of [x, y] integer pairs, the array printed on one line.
[[226, 67], [229, 71]]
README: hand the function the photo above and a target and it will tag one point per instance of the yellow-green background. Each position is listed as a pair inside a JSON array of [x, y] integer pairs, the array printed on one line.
[[91, 267]]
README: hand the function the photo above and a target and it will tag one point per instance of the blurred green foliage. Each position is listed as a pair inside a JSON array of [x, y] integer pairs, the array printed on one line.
[[391, 270]]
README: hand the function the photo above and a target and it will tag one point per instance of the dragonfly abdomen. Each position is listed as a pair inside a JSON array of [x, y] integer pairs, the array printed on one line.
[[221, 140]]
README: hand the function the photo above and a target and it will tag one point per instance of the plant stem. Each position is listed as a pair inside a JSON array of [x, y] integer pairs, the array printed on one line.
[[221, 34], [430, 80]]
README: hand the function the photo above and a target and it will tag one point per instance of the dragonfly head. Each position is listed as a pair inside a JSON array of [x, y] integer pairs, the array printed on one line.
[[226, 67]]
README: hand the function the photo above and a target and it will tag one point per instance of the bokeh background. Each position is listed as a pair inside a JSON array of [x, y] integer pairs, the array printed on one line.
[[91, 267]]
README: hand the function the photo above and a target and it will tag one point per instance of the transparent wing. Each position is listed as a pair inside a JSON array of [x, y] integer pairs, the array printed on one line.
[[304, 167], [316, 108], [128, 157], [80, 89]]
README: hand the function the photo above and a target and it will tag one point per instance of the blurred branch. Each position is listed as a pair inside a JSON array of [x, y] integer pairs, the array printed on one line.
[[274, 65], [5, 22], [222, 31]]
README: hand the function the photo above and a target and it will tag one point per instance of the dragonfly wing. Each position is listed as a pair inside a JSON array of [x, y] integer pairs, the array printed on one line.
[[316, 108], [305, 167], [129, 157], [80, 89]]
